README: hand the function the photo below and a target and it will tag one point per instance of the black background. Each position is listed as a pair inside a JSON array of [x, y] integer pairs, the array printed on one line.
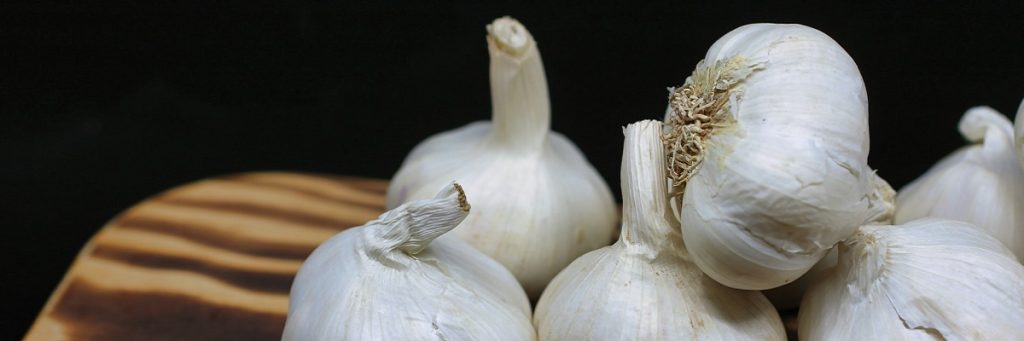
[[105, 104]]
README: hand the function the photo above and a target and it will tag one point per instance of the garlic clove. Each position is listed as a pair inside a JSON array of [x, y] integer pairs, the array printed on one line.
[[538, 203], [643, 287], [926, 279], [768, 147], [982, 183], [394, 279]]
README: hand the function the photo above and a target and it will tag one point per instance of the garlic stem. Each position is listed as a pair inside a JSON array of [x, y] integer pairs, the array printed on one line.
[[519, 90], [861, 252], [646, 218], [881, 202], [985, 124], [412, 226]]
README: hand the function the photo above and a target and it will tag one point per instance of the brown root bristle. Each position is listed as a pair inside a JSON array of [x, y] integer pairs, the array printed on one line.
[[698, 107], [463, 203]]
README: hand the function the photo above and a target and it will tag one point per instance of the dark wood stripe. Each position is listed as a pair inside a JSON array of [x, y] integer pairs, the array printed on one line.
[[264, 212], [257, 281], [306, 192], [372, 186], [90, 313], [213, 238]]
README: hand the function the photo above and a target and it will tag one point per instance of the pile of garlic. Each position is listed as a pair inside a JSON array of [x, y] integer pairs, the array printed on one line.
[[757, 174]]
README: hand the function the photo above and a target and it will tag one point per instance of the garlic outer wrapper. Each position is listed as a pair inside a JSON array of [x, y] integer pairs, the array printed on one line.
[[768, 144], [538, 204], [789, 296], [982, 183], [927, 279], [392, 280], [643, 287], [1019, 134]]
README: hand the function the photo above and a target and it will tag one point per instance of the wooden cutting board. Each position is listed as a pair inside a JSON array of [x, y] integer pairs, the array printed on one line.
[[211, 260]]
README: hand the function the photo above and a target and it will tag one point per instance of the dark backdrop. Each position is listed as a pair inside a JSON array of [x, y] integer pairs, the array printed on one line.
[[105, 104]]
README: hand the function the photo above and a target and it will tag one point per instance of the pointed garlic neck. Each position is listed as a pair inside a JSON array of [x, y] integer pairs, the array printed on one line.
[[881, 202], [864, 254], [519, 89], [411, 227], [993, 130], [645, 214]]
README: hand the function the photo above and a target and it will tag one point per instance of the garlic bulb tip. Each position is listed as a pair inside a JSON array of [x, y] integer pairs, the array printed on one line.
[[510, 36]]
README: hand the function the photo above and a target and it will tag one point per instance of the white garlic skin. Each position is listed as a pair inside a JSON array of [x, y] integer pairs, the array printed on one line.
[[616, 293], [883, 208], [789, 296], [643, 287], [1019, 134], [538, 203], [352, 288], [789, 178], [982, 183], [928, 279]]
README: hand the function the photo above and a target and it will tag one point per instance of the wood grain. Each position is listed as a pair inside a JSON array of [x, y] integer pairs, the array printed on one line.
[[211, 260]]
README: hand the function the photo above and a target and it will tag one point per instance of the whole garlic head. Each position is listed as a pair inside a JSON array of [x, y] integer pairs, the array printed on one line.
[[538, 203], [928, 279], [391, 280], [768, 144], [643, 287], [982, 183]]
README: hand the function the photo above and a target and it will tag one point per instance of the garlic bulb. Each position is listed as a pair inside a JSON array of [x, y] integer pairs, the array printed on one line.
[[538, 203], [391, 280], [643, 287], [768, 145], [982, 183], [927, 279]]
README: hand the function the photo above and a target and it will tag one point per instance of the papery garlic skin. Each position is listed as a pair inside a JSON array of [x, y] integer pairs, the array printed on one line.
[[928, 279], [538, 203], [769, 141], [1019, 142], [1019, 134], [982, 183], [391, 280], [883, 207], [789, 296], [643, 287]]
